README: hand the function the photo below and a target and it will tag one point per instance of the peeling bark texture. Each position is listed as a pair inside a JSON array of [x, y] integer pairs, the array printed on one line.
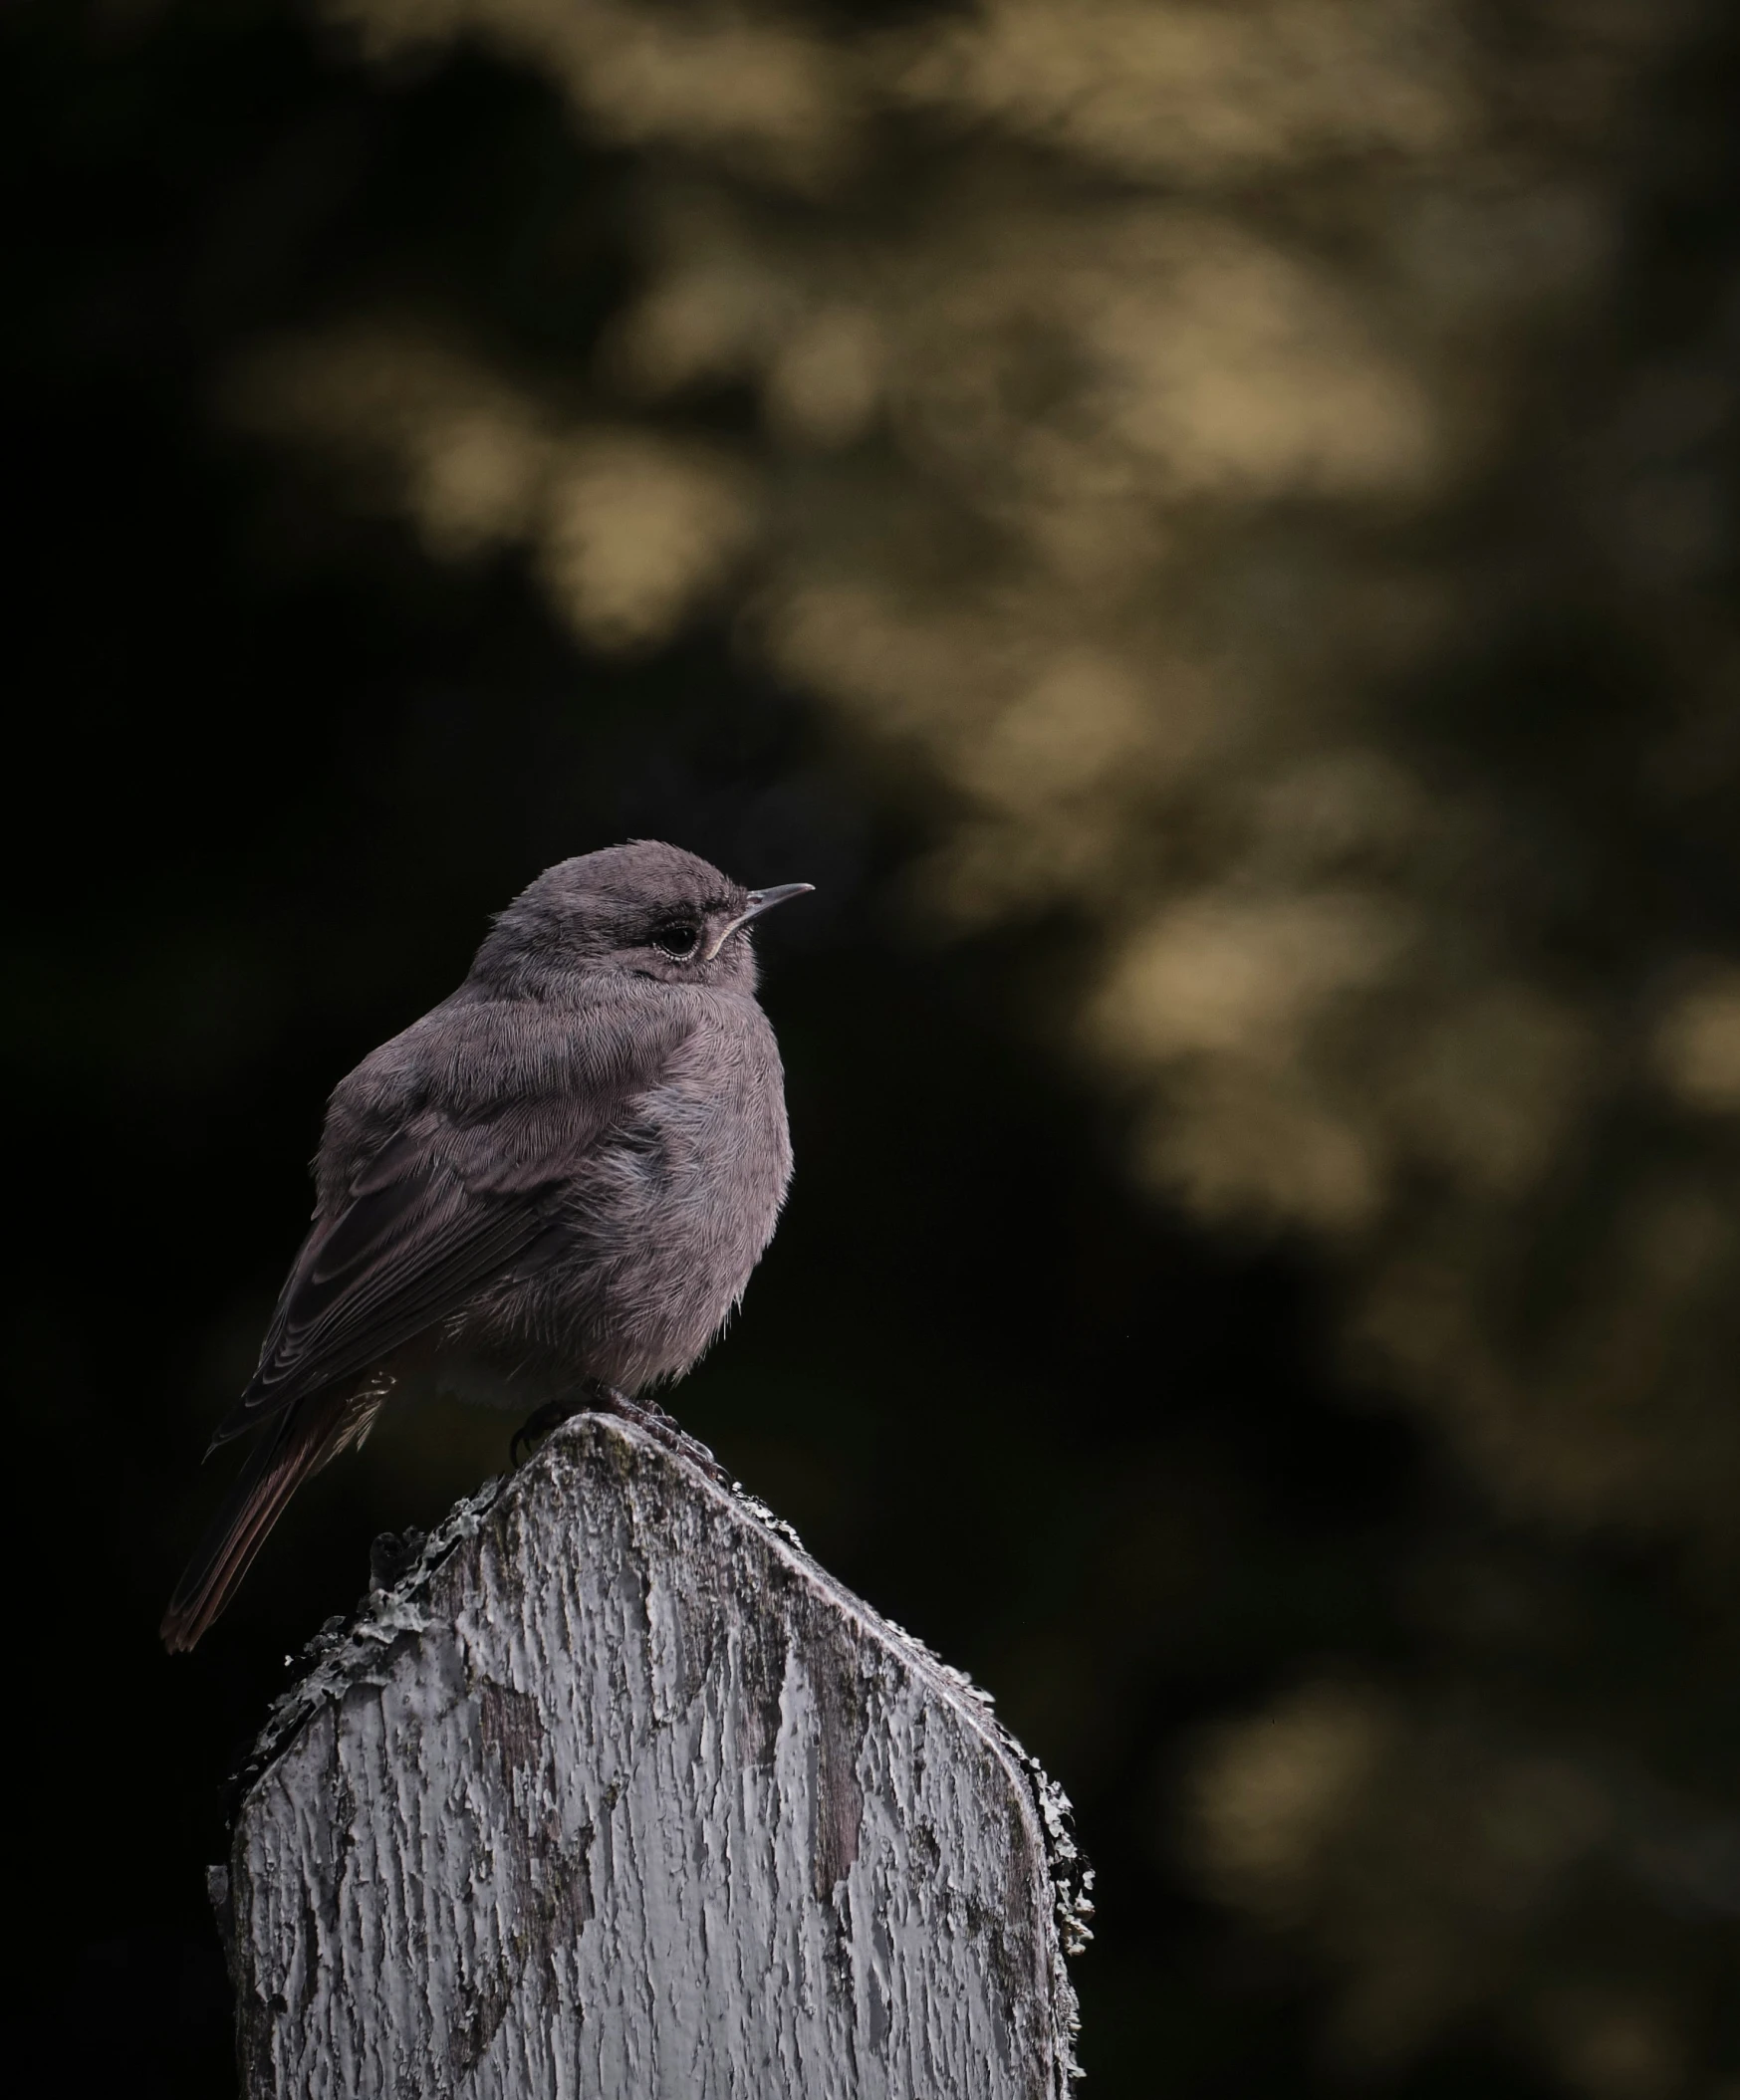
[[614, 1792]]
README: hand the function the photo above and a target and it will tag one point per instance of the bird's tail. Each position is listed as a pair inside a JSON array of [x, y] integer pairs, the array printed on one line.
[[288, 1452]]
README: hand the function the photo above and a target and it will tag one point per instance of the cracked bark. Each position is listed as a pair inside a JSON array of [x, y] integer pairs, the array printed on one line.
[[615, 1792]]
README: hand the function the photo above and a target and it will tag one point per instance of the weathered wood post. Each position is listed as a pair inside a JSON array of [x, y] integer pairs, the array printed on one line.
[[614, 1792]]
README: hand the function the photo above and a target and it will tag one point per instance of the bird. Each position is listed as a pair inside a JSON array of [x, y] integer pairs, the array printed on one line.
[[549, 1191]]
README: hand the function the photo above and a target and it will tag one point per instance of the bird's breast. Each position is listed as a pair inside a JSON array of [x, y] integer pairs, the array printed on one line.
[[655, 1236]]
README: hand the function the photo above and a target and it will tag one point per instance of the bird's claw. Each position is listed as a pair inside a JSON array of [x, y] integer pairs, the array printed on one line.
[[647, 1415], [538, 1425]]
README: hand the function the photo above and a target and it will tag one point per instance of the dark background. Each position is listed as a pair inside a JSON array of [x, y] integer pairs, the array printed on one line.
[[271, 770]]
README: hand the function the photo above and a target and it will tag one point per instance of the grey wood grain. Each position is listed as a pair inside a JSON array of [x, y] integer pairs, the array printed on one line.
[[615, 1792]]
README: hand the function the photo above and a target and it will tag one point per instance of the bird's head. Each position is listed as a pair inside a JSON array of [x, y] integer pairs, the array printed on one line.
[[639, 910]]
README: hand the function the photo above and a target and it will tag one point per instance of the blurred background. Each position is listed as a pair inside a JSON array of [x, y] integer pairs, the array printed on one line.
[[1208, 528]]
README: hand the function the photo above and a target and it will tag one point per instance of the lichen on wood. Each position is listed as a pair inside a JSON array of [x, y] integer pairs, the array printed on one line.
[[612, 1791]]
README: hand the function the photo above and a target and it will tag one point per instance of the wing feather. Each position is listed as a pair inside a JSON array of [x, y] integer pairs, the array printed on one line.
[[440, 1159], [396, 1261], [448, 1201]]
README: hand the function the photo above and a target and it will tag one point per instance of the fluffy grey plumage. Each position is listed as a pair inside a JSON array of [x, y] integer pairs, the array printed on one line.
[[560, 1178]]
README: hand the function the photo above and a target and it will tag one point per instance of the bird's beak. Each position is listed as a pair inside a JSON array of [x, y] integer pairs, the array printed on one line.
[[760, 900]]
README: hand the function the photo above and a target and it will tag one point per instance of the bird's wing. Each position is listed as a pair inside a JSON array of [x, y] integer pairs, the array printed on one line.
[[400, 1257], [437, 1212]]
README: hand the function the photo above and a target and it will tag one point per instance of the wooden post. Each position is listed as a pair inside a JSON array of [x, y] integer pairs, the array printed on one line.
[[616, 1794]]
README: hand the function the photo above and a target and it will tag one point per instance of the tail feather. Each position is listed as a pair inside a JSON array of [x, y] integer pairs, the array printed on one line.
[[286, 1454]]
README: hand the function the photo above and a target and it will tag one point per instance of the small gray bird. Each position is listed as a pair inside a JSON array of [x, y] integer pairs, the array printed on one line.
[[549, 1191]]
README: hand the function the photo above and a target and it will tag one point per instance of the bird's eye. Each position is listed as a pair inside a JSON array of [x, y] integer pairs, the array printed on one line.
[[678, 938]]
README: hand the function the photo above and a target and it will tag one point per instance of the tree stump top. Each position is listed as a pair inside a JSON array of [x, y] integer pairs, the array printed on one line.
[[614, 1791]]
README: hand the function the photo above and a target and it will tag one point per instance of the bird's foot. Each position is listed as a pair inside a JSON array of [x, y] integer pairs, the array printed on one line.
[[607, 1400], [542, 1420], [649, 1416]]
